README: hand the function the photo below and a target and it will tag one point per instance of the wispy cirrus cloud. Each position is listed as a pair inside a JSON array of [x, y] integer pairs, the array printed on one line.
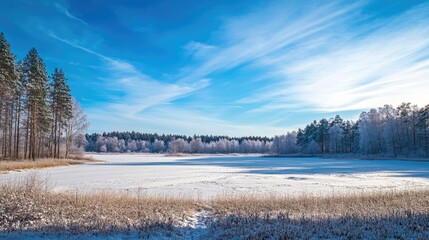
[[352, 68], [138, 90], [358, 69], [326, 57], [247, 39], [199, 50], [66, 12], [177, 120]]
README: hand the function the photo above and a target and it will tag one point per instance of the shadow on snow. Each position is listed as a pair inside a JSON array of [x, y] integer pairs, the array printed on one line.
[[275, 165]]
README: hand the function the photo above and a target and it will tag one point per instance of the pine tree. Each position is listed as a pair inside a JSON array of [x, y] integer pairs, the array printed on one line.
[[322, 134], [8, 83], [37, 111], [423, 124], [20, 100], [61, 107], [300, 138]]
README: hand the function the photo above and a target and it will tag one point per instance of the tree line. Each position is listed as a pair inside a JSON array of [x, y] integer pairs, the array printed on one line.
[[148, 142], [386, 131], [179, 145], [127, 136], [38, 116]]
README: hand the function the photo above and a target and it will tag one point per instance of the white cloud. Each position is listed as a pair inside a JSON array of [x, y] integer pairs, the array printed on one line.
[[264, 32], [139, 91], [176, 120], [145, 104], [324, 57], [66, 12], [198, 50], [350, 68]]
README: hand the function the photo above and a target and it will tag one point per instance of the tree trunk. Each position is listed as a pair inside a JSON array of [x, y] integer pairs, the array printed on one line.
[[69, 139], [18, 117], [59, 138], [33, 133], [5, 129], [51, 140], [55, 134], [27, 132], [39, 145], [10, 130]]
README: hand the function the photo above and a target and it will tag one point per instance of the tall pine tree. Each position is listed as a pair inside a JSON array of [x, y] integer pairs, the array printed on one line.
[[8, 83], [37, 110], [61, 107]]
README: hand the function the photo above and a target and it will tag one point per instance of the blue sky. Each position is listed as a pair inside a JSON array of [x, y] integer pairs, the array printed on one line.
[[227, 67]]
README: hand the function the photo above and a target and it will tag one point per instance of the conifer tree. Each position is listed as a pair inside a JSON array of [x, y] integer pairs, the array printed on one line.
[[8, 82], [61, 107], [19, 102], [37, 111]]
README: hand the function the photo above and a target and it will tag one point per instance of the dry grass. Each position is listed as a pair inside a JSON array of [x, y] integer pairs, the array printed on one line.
[[6, 166], [383, 215], [29, 206], [359, 204]]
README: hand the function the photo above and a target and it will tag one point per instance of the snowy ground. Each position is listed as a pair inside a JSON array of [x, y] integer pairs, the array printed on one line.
[[206, 176]]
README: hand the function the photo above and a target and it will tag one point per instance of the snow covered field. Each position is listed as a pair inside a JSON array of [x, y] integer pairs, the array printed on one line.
[[207, 176]]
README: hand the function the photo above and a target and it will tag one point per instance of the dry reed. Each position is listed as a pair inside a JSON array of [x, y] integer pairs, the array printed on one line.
[[29, 206], [6, 166]]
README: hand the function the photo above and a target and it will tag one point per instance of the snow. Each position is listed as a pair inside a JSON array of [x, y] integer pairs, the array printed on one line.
[[195, 226], [208, 176]]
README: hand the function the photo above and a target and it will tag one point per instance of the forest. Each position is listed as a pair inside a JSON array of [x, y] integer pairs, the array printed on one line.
[[148, 142], [38, 116], [386, 131]]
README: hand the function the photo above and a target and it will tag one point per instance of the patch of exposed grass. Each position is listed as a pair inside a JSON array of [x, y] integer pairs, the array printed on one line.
[[6, 166]]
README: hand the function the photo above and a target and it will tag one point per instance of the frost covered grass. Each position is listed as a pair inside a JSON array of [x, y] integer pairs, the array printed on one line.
[[6, 166], [28, 206], [383, 215]]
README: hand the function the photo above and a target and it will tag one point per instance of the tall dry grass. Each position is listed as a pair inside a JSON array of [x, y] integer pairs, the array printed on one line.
[[6, 166], [383, 215], [368, 204], [29, 206]]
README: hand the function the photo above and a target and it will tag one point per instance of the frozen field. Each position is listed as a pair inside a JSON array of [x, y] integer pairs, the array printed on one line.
[[207, 176]]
